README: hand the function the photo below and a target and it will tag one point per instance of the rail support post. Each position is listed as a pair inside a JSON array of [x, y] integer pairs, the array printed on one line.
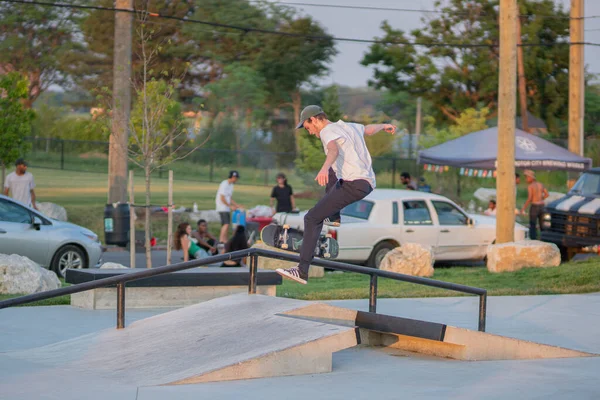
[[253, 274], [482, 311], [121, 305], [373, 294]]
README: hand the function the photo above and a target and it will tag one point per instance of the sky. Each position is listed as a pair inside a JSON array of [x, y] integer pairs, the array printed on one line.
[[346, 69]]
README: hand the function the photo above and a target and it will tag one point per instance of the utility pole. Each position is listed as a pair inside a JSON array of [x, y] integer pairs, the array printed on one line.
[[576, 81], [418, 121], [118, 142], [505, 183], [522, 81]]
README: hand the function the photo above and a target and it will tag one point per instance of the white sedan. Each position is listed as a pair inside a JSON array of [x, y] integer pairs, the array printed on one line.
[[387, 218]]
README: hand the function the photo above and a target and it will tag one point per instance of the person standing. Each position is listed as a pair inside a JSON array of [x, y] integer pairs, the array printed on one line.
[[536, 194], [283, 195], [225, 204], [345, 147], [408, 181], [20, 184]]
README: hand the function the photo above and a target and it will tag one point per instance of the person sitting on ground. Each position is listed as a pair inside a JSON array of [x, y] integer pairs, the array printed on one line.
[[491, 208], [191, 250], [238, 241], [204, 238]]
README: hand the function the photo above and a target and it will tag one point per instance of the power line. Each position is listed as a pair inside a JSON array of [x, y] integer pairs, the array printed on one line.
[[288, 34], [372, 8]]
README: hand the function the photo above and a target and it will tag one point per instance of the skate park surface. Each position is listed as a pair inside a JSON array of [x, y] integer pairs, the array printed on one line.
[[37, 344]]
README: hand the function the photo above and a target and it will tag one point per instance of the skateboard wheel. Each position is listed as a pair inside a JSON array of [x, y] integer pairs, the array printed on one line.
[[327, 255], [285, 226], [284, 246]]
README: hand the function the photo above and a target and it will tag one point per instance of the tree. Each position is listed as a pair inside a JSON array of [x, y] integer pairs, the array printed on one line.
[[34, 41], [469, 121], [241, 93], [15, 119], [592, 110], [454, 79], [92, 66], [157, 134], [288, 62]]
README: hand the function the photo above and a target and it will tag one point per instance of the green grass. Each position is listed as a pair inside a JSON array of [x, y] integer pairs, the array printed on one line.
[[574, 277], [56, 301], [569, 278], [84, 196]]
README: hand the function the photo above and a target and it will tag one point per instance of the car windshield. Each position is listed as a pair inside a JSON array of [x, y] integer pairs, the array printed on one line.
[[587, 185], [360, 209]]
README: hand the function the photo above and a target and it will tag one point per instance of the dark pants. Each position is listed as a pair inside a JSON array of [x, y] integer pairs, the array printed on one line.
[[341, 194], [535, 216], [331, 184]]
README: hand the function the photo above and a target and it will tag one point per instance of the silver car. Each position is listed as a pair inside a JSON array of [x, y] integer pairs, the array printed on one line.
[[52, 244]]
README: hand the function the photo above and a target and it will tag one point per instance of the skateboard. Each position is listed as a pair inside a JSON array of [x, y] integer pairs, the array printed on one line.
[[285, 238]]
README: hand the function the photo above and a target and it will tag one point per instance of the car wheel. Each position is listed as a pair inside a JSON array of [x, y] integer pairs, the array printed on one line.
[[379, 252], [68, 257]]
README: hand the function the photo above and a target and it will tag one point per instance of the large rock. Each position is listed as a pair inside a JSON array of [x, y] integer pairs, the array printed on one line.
[[514, 256], [112, 265], [409, 259], [273, 264], [20, 275], [53, 211], [485, 195]]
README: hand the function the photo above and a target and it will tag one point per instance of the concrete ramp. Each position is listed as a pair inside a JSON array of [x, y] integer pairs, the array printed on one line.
[[244, 337], [432, 338], [234, 337]]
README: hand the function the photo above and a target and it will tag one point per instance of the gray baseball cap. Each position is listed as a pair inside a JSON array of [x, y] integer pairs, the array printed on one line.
[[308, 112]]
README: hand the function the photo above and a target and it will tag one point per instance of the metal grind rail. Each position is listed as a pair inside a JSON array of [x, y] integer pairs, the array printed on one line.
[[253, 254]]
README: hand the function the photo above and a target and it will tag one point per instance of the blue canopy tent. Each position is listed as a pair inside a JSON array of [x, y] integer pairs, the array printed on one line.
[[479, 150]]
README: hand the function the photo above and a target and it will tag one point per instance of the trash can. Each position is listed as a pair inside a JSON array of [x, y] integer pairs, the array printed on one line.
[[116, 224]]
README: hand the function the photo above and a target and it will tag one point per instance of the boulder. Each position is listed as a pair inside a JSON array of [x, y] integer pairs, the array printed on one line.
[[53, 211], [111, 265], [409, 259], [20, 275], [273, 264], [514, 256], [485, 195]]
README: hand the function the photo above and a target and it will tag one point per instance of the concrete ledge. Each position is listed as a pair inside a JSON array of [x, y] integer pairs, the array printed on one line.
[[158, 297]]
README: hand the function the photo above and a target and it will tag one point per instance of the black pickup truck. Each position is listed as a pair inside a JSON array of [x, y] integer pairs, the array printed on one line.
[[573, 222]]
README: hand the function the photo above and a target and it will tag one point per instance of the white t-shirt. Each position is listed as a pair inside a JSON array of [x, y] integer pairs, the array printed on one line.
[[225, 189], [20, 186], [354, 161]]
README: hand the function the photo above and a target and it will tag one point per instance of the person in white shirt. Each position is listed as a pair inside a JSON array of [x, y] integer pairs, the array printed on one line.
[[225, 204], [20, 184], [348, 156], [491, 211]]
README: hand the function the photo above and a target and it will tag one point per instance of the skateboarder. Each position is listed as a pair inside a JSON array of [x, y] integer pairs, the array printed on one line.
[[347, 154]]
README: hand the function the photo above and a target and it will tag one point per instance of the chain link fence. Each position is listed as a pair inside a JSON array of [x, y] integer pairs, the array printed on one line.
[[203, 165]]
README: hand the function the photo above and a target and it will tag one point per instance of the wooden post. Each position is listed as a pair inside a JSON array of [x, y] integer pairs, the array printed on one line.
[[576, 81], [522, 81], [505, 183], [131, 221], [170, 218], [119, 137]]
